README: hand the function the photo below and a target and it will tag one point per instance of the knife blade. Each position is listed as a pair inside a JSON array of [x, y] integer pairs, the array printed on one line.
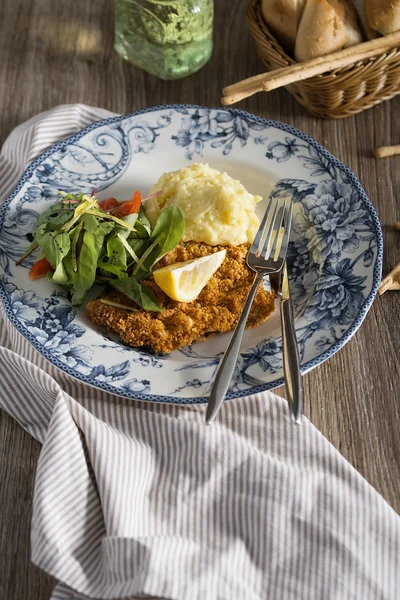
[[291, 357]]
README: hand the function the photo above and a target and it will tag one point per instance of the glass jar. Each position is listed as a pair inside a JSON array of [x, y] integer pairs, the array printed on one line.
[[168, 38]]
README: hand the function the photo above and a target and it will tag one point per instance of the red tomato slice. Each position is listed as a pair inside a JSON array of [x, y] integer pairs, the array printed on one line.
[[128, 208], [40, 269], [108, 203], [136, 202]]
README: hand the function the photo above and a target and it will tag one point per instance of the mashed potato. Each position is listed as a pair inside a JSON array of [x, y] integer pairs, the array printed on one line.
[[217, 209]]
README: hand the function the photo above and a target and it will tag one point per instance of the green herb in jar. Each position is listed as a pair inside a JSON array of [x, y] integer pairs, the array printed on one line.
[[168, 38]]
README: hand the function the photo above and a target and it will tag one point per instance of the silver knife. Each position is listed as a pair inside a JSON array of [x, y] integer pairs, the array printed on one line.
[[291, 357]]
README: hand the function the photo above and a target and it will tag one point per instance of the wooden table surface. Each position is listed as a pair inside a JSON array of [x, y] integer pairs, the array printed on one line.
[[62, 52]]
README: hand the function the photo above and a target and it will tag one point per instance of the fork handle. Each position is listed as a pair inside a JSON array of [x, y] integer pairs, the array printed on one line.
[[228, 363], [291, 360]]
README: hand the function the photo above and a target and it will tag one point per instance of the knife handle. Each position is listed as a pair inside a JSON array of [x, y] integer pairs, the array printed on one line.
[[228, 363], [291, 360]]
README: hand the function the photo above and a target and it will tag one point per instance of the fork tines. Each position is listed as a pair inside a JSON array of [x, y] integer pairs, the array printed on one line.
[[272, 239]]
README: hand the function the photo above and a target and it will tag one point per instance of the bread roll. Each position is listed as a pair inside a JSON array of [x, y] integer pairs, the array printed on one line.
[[283, 18], [361, 9], [326, 26], [383, 15]]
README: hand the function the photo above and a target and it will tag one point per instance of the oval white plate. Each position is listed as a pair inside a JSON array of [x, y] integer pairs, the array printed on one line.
[[334, 260]]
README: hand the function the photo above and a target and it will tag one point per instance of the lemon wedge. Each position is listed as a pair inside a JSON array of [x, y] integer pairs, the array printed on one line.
[[184, 281]]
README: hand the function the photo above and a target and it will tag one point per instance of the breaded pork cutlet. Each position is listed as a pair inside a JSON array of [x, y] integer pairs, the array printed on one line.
[[215, 310]]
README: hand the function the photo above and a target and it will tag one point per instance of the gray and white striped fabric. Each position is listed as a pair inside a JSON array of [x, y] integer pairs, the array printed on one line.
[[135, 500]]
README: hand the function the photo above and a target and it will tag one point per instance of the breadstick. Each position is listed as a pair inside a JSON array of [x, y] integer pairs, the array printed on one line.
[[386, 151]]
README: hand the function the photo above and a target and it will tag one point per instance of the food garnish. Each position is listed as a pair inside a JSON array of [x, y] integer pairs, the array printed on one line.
[[184, 281], [83, 241]]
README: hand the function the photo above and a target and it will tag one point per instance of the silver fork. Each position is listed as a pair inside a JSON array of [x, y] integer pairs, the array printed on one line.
[[266, 256]]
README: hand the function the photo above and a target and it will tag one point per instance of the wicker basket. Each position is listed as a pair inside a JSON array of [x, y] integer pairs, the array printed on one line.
[[338, 94]]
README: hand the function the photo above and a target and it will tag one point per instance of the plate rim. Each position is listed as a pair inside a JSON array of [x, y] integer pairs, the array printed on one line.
[[377, 271]]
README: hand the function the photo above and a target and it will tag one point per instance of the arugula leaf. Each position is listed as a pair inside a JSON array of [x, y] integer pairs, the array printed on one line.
[[116, 244], [140, 232], [55, 246], [33, 246], [106, 269], [93, 224], [60, 275], [78, 296], [106, 227], [90, 223], [168, 230], [144, 220], [129, 220], [83, 279], [116, 252], [138, 246], [128, 248], [49, 212], [74, 244], [166, 235], [56, 222], [141, 294], [148, 258], [71, 196], [39, 231]]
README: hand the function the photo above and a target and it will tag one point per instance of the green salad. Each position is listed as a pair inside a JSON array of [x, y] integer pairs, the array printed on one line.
[[84, 241]]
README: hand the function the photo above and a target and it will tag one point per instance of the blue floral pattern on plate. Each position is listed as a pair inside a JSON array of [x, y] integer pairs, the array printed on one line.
[[334, 258], [219, 128]]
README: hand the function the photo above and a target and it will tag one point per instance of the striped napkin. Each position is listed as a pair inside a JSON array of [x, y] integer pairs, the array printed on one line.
[[140, 500]]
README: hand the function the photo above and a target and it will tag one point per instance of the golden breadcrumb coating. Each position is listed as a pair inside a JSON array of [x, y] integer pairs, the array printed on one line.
[[215, 310]]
